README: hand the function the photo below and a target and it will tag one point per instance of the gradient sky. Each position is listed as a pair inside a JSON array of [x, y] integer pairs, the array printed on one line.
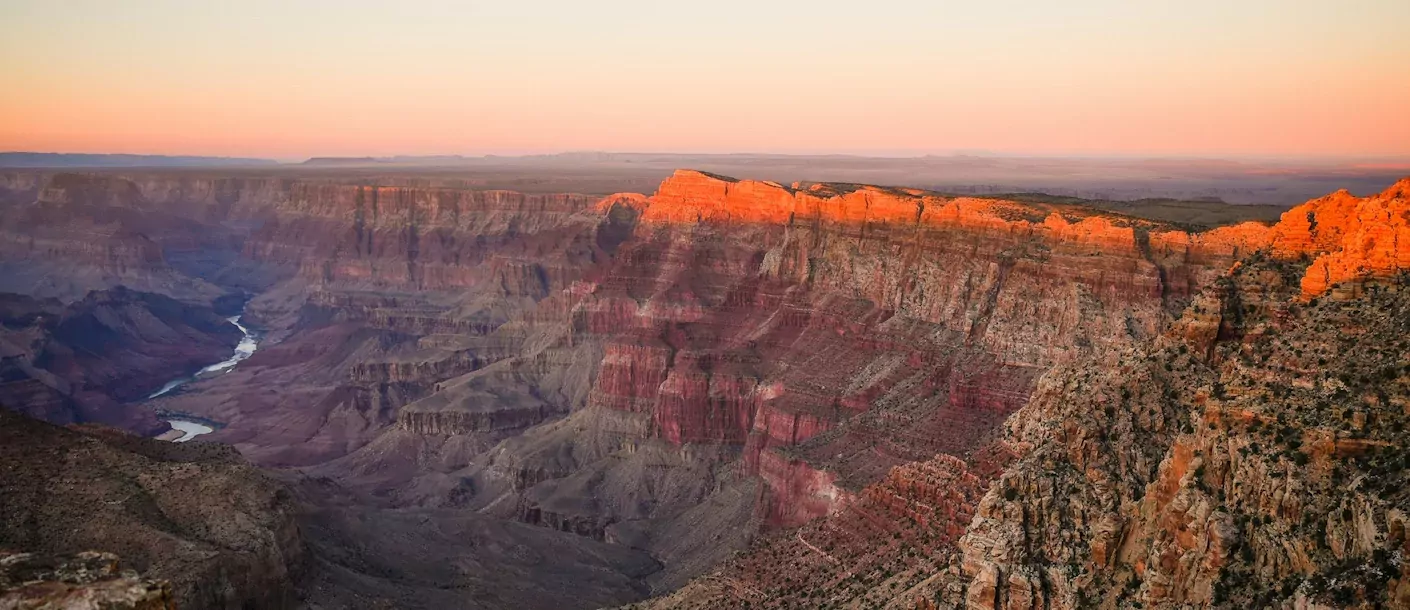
[[291, 78]]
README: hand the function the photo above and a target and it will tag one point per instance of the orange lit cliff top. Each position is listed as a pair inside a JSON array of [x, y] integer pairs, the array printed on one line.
[[1349, 237]]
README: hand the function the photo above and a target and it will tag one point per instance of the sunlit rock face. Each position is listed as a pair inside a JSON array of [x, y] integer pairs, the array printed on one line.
[[1349, 238]]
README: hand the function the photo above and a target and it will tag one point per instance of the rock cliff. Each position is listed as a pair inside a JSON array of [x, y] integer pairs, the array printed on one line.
[[848, 329], [1246, 454], [1350, 239], [68, 234], [1260, 470]]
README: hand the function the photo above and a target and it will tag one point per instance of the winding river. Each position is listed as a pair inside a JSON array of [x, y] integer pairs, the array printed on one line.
[[192, 429]]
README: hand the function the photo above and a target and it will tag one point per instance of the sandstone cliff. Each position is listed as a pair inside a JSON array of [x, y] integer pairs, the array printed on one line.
[[1350, 238], [838, 331]]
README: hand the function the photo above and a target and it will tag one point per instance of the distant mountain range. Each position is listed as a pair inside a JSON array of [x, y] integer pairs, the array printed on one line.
[[34, 159]]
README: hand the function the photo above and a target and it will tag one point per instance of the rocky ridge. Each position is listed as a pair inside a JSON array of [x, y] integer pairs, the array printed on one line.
[[219, 531], [1261, 471]]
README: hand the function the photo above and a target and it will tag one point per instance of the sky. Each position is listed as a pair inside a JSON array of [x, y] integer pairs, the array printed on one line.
[[299, 78]]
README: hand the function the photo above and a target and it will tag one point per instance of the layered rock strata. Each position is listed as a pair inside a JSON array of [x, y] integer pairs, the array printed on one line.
[[1247, 455], [786, 354]]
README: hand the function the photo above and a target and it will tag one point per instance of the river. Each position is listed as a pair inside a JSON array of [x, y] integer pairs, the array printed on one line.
[[192, 429]]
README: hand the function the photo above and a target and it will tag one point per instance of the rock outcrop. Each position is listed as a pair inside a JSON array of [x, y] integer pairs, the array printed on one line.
[[1262, 472], [1350, 239], [195, 515], [84, 581]]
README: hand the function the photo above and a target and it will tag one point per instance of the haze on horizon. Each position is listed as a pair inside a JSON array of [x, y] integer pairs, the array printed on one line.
[[370, 77]]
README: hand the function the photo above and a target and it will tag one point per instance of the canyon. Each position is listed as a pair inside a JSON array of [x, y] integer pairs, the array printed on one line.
[[726, 393]]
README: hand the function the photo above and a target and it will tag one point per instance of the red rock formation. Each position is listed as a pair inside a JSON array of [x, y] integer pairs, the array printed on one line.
[[1354, 238], [1118, 263], [751, 313]]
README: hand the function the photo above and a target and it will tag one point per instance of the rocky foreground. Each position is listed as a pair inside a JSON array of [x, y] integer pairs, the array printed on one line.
[[83, 581], [812, 395], [196, 516]]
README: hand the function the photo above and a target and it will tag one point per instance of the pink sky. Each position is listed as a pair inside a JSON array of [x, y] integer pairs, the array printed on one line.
[[377, 78]]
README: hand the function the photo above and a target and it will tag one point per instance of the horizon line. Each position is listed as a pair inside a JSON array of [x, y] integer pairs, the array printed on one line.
[[955, 154]]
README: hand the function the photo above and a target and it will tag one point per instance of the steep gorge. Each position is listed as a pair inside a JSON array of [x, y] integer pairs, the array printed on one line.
[[745, 354]]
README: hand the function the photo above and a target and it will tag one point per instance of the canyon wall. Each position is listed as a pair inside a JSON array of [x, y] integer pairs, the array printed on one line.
[[64, 235], [845, 358], [1226, 461], [1260, 472], [849, 329], [820, 337], [374, 294]]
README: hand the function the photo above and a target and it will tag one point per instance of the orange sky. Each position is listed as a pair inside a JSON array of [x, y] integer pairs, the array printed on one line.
[[369, 77]]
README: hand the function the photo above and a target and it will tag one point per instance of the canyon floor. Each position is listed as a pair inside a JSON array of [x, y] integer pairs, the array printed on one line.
[[708, 393]]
